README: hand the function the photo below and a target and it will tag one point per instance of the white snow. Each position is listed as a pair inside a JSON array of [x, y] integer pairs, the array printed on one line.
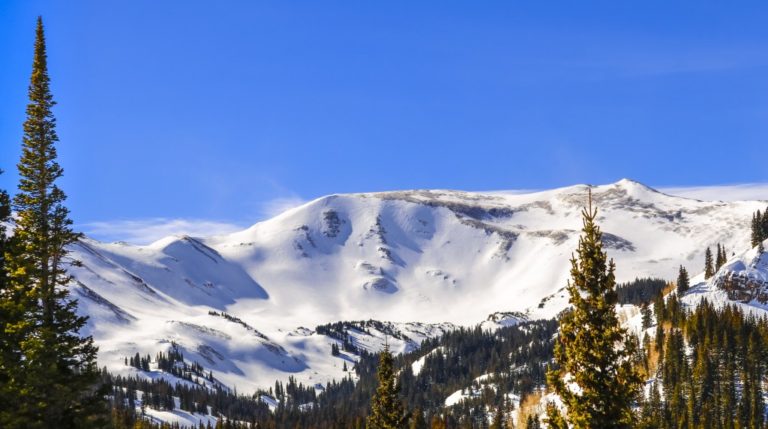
[[417, 365], [740, 192], [747, 264], [413, 256]]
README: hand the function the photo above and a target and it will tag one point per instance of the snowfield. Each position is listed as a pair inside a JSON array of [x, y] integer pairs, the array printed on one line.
[[246, 305]]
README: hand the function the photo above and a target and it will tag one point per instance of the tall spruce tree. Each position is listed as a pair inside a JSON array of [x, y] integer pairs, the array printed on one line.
[[709, 270], [11, 319], [58, 385], [720, 257], [593, 372], [386, 408], [683, 283]]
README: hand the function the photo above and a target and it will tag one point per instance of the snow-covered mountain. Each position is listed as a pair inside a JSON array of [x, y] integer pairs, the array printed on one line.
[[245, 305]]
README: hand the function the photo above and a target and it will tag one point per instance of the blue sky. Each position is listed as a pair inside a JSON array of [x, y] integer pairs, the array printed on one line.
[[224, 112]]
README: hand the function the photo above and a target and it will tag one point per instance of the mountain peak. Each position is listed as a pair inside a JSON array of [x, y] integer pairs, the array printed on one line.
[[634, 184], [432, 255]]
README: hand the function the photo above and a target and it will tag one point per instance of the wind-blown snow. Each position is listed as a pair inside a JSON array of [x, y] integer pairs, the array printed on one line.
[[741, 192]]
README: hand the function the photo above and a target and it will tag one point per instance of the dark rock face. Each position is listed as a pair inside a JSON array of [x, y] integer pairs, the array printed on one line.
[[332, 223], [741, 287]]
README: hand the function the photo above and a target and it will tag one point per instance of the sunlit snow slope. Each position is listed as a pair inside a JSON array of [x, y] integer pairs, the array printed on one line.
[[411, 256]]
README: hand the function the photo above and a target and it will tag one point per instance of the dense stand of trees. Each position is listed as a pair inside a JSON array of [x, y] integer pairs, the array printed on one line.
[[130, 393], [640, 291], [512, 358], [707, 366], [172, 362]]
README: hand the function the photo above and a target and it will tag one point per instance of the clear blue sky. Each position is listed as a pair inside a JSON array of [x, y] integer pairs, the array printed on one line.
[[220, 110]]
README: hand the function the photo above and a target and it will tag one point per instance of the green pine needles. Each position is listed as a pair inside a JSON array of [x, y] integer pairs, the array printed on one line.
[[759, 227], [593, 372], [709, 269], [48, 369], [683, 282], [386, 408], [10, 319]]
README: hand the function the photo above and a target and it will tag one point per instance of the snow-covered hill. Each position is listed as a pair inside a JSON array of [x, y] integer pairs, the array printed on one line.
[[245, 305], [741, 281]]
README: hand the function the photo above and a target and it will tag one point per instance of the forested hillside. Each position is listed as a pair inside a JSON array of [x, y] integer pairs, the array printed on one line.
[[480, 370]]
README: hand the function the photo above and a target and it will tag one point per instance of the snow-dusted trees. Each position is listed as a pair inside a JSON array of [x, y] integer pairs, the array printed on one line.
[[711, 367]]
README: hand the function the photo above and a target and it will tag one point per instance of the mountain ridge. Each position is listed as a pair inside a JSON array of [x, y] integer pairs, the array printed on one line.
[[429, 256]]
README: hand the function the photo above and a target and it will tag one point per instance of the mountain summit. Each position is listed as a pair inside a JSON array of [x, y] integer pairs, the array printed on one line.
[[429, 256]]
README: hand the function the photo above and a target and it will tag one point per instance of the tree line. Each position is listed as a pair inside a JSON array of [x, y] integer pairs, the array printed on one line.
[[512, 359], [705, 367]]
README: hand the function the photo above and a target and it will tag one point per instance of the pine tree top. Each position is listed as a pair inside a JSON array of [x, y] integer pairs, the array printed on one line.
[[57, 378], [592, 349], [386, 408]]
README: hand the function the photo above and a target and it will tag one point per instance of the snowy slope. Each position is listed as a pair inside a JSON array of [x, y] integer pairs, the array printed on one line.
[[741, 281], [409, 256]]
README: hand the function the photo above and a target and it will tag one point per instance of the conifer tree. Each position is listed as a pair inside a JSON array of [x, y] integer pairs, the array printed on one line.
[[657, 408], [764, 223], [555, 419], [709, 270], [755, 229], [58, 384], [646, 316], [437, 423], [417, 420], [386, 408], [498, 418], [10, 317], [683, 283], [720, 258], [759, 227], [533, 422], [592, 351], [5, 216]]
